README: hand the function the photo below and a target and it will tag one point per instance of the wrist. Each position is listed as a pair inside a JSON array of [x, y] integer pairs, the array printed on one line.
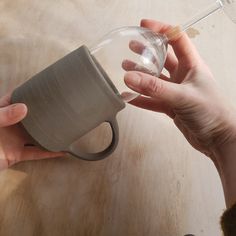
[[224, 146], [224, 153], [224, 158]]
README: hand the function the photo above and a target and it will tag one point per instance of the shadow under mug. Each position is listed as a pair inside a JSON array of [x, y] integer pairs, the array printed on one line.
[[67, 100]]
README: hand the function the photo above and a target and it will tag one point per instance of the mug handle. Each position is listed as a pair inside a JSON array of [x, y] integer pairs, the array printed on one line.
[[99, 155]]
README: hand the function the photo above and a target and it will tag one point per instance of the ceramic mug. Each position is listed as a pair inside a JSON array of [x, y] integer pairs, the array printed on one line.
[[67, 100]]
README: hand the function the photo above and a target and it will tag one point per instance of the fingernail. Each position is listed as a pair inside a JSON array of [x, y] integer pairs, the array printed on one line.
[[144, 20], [134, 43], [18, 110], [132, 79]]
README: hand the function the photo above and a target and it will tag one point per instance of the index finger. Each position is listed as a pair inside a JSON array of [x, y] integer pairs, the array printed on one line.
[[5, 100], [182, 45]]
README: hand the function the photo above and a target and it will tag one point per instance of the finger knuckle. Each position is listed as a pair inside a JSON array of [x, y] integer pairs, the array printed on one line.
[[3, 119], [155, 87], [9, 115]]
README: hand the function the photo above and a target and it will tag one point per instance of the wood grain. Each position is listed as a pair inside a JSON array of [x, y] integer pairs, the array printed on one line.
[[155, 183]]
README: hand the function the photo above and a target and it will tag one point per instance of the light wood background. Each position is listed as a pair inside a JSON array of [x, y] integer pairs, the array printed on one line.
[[155, 183]]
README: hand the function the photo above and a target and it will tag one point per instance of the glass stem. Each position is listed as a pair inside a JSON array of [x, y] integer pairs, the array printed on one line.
[[202, 15], [176, 31]]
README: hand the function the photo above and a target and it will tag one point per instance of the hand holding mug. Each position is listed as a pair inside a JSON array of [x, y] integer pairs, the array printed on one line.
[[15, 143]]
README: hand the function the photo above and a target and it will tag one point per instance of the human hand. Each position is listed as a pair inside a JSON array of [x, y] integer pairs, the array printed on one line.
[[15, 143], [190, 95]]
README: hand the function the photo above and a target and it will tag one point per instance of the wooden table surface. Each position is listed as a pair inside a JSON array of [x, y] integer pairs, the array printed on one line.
[[155, 183]]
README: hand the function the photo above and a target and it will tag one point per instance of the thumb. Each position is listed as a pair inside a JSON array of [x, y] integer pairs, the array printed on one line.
[[154, 87], [12, 114]]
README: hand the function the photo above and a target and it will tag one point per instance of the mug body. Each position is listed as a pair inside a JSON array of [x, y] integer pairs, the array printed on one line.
[[67, 100]]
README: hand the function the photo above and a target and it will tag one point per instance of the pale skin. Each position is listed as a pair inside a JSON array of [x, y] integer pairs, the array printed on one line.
[[15, 143], [191, 97]]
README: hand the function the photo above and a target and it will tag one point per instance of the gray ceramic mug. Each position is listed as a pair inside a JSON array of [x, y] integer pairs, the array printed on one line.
[[67, 100]]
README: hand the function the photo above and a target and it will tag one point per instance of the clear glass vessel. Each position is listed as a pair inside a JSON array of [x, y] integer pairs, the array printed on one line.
[[128, 49]]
